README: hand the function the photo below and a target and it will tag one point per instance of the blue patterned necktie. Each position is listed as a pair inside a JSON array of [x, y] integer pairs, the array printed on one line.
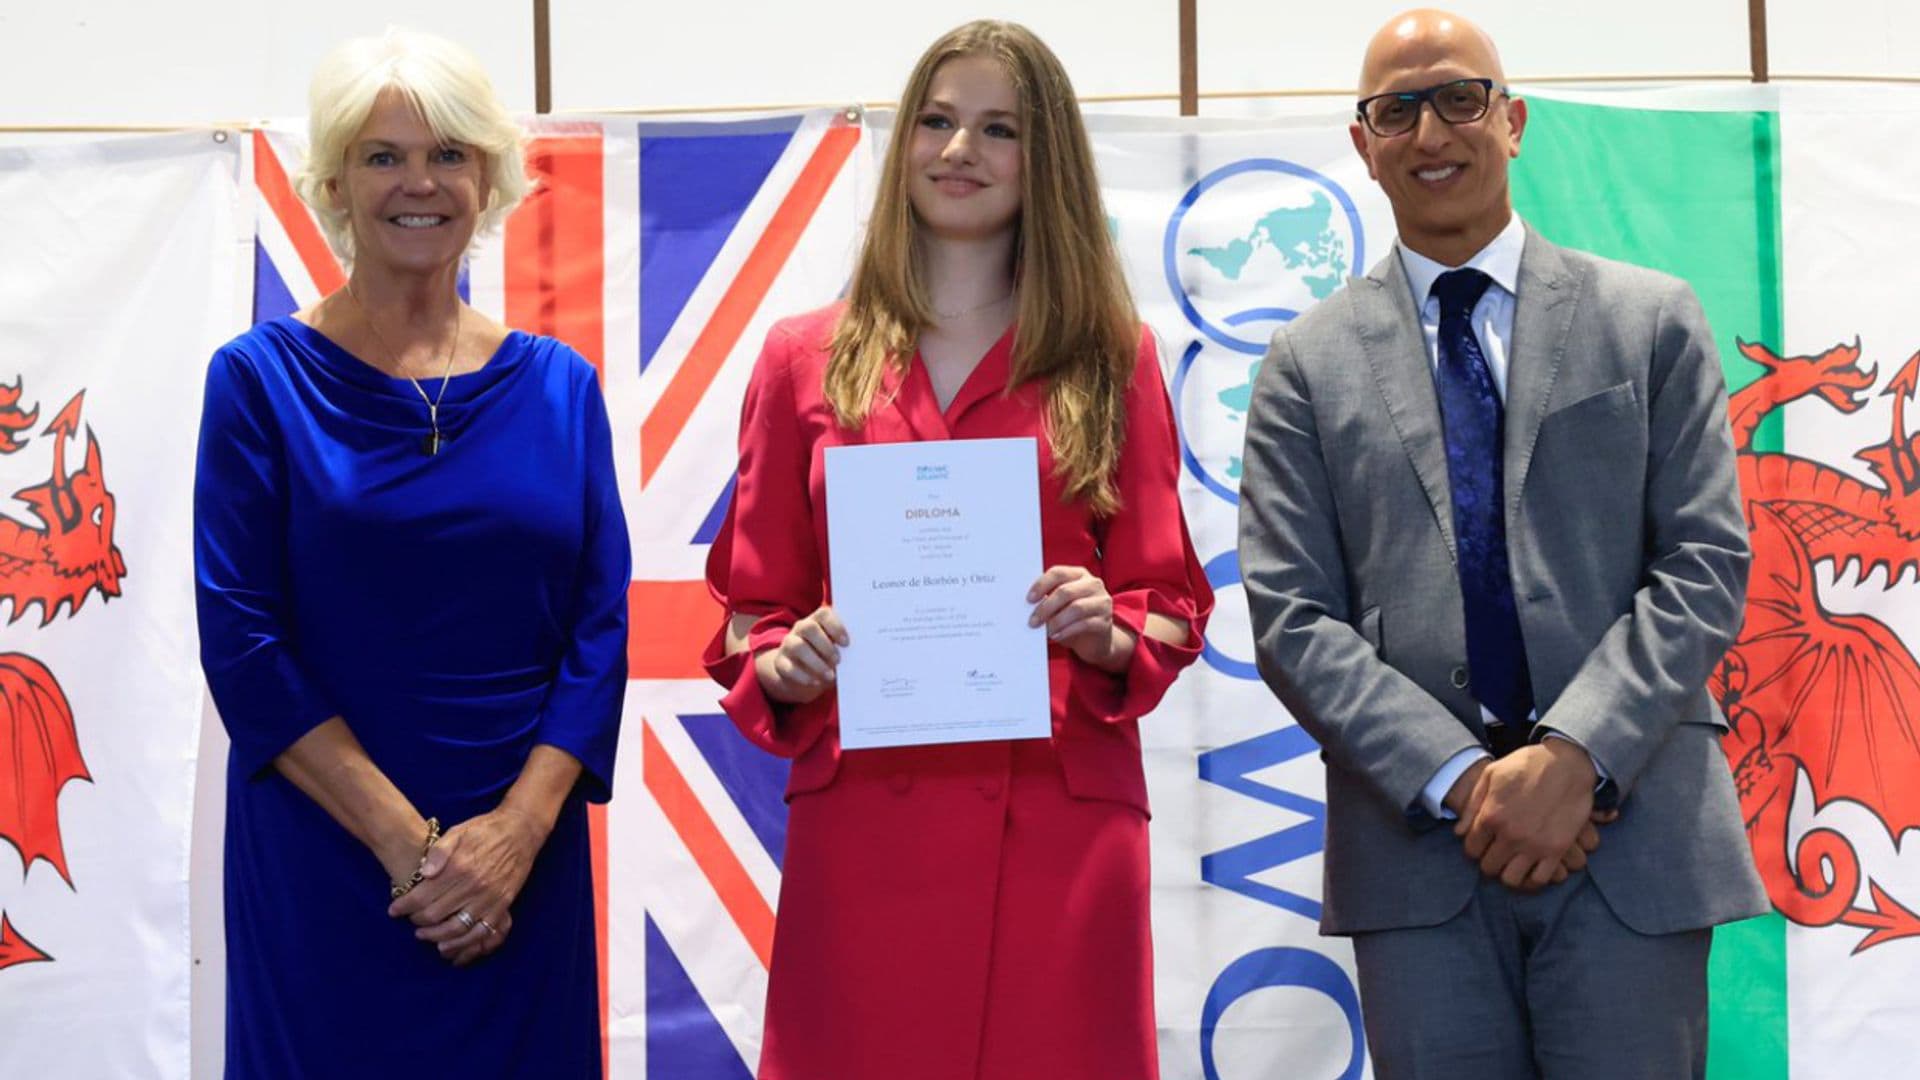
[[1471, 413]]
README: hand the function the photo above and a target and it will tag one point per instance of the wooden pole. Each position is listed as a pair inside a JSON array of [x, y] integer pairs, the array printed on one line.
[[1189, 59], [542, 59], [1757, 38]]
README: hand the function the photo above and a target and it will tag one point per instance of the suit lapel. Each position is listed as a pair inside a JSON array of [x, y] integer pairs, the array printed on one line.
[[988, 378], [1542, 319], [906, 401], [907, 397], [1389, 332]]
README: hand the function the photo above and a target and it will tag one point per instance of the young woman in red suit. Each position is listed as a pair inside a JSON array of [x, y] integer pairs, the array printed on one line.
[[972, 911]]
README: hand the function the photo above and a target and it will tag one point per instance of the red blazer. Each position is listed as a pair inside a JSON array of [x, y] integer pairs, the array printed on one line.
[[770, 558]]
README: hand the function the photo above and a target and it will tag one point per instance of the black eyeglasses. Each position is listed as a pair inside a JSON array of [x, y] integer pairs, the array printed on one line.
[[1459, 102]]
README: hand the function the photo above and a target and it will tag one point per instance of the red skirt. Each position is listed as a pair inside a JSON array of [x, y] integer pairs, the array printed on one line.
[[952, 913]]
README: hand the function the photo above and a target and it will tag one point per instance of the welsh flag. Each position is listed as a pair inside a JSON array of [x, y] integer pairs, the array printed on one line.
[[1795, 238], [117, 281]]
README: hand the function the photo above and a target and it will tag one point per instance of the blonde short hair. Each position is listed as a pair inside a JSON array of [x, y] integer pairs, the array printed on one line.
[[442, 80]]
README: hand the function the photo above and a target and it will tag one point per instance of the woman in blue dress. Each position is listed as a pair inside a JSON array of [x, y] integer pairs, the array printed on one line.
[[412, 568]]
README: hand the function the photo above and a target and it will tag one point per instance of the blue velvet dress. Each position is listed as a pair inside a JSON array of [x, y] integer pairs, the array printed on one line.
[[456, 610]]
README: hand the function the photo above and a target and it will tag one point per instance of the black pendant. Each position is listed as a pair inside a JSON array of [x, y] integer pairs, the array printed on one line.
[[430, 443]]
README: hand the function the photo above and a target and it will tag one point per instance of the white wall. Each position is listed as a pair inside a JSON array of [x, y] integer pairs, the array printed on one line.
[[197, 61]]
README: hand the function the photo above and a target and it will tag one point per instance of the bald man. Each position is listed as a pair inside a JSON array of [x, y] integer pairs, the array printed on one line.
[[1491, 540]]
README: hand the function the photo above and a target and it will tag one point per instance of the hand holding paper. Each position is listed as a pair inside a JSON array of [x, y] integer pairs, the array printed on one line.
[[801, 667], [1077, 611], [929, 543]]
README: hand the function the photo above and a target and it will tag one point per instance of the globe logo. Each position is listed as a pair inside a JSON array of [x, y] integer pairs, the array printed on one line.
[[1212, 390], [1250, 246], [1256, 242]]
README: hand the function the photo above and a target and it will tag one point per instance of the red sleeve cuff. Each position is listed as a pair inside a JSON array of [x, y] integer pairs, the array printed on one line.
[[775, 727], [1114, 697]]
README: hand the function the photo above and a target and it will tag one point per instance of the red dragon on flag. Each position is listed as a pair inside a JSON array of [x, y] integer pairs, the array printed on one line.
[[1809, 689], [53, 565]]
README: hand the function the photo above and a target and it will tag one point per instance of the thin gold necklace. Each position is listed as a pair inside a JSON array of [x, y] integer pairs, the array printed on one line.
[[974, 310], [430, 445]]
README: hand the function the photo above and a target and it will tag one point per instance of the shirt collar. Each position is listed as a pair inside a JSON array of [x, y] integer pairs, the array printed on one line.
[[1499, 260]]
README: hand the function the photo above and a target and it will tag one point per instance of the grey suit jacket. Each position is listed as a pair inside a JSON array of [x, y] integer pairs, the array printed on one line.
[[1629, 559]]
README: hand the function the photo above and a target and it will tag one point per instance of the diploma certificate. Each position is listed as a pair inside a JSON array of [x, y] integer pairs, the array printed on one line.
[[933, 547]]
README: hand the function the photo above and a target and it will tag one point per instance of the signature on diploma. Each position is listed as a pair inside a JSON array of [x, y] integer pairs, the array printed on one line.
[[978, 679], [897, 686]]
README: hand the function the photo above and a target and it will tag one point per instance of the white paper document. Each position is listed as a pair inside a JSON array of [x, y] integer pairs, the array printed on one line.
[[933, 547]]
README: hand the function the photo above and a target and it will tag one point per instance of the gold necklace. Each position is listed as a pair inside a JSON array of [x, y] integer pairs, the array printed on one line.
[[974, 310], [430, 445]]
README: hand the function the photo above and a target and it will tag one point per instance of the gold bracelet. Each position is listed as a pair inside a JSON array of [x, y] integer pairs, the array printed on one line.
[[402, 888]]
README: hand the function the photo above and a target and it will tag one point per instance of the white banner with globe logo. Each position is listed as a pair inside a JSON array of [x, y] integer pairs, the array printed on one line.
[[1226, 236]]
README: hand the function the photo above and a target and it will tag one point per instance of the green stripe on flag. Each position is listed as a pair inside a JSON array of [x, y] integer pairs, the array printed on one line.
[[1747, 1013], [1696, 194], [1692, 193]]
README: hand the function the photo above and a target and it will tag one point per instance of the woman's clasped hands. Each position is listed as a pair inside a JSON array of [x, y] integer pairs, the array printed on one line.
[[470, 878]]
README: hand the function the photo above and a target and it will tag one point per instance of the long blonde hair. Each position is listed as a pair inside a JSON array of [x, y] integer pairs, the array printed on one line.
[[1077, 329]]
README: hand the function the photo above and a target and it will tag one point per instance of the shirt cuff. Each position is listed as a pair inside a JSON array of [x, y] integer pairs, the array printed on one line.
[[1433, 796], [1601, 778]]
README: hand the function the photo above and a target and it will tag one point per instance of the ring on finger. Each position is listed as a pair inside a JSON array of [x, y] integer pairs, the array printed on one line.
[[466, 919], [485, 925]]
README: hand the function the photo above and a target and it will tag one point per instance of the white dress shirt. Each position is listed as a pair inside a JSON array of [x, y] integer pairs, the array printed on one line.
[[1492, 320]]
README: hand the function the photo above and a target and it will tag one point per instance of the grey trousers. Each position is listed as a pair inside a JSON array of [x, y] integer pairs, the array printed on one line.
[[1549, 986]]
